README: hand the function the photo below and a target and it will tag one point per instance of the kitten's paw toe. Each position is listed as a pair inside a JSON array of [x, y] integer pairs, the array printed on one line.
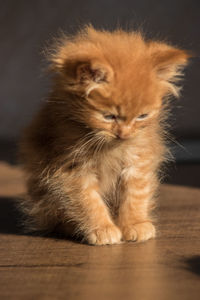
[[139, 232], [106, 235]]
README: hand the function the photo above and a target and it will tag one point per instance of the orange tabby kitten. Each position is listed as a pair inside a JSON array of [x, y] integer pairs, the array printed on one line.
[[93, 152]]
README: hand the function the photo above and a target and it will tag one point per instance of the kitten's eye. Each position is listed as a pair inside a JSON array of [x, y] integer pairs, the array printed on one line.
[[141, 117], [110, 117]]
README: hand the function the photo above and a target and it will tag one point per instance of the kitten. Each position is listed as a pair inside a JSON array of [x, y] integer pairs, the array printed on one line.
[[93, 153]]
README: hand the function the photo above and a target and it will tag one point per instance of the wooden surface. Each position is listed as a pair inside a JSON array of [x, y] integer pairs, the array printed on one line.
[[168, 267]]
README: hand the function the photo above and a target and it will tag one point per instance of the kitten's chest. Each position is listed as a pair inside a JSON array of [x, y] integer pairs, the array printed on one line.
[[109, 175], [110, 169]]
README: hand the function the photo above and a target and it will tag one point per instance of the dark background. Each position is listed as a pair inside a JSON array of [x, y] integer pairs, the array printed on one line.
[[28, 26]]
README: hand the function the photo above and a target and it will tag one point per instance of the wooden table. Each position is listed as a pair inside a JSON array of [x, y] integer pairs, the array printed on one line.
[[168, 267]]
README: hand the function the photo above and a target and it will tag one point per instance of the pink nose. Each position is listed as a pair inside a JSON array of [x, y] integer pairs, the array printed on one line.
[[123, 134]]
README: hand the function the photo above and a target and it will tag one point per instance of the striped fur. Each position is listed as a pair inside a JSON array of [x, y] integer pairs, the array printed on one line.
[[93, 153]]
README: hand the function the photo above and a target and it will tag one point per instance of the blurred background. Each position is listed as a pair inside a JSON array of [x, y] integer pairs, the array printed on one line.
[[28, 26]]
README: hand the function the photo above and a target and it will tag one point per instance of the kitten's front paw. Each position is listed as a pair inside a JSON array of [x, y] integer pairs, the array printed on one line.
[[139, 232], [106, 235]]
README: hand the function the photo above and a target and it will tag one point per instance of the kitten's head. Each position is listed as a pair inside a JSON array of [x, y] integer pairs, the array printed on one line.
[[119, 78]]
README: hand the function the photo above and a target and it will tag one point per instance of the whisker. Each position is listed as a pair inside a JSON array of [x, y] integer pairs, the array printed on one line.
[[175, 142], [83, 145], [100, 145]]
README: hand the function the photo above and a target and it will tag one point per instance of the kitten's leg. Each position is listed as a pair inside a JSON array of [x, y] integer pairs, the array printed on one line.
[[137, 191], [87, 209]]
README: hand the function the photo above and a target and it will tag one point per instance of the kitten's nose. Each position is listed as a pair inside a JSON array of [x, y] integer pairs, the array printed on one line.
[[123, 134]]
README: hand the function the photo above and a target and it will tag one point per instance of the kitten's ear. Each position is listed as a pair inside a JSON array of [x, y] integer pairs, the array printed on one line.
[[168, 63], [92, 73], [82, 73]]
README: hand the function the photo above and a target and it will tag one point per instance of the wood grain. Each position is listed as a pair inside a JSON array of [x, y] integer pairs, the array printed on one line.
[[33, 267]]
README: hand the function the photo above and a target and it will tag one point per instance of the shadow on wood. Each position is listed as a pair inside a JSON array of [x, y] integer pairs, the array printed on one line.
[[193, 264], [9, 216]]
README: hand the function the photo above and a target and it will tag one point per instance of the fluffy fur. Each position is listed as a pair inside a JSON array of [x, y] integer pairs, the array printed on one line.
[[93, 153]]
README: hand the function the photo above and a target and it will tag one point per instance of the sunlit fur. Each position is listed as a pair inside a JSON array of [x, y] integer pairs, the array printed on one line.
[[91, 160]]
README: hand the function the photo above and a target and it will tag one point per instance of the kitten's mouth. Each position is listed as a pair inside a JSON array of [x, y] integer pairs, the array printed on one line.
[[122, 138], [110, 137]]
